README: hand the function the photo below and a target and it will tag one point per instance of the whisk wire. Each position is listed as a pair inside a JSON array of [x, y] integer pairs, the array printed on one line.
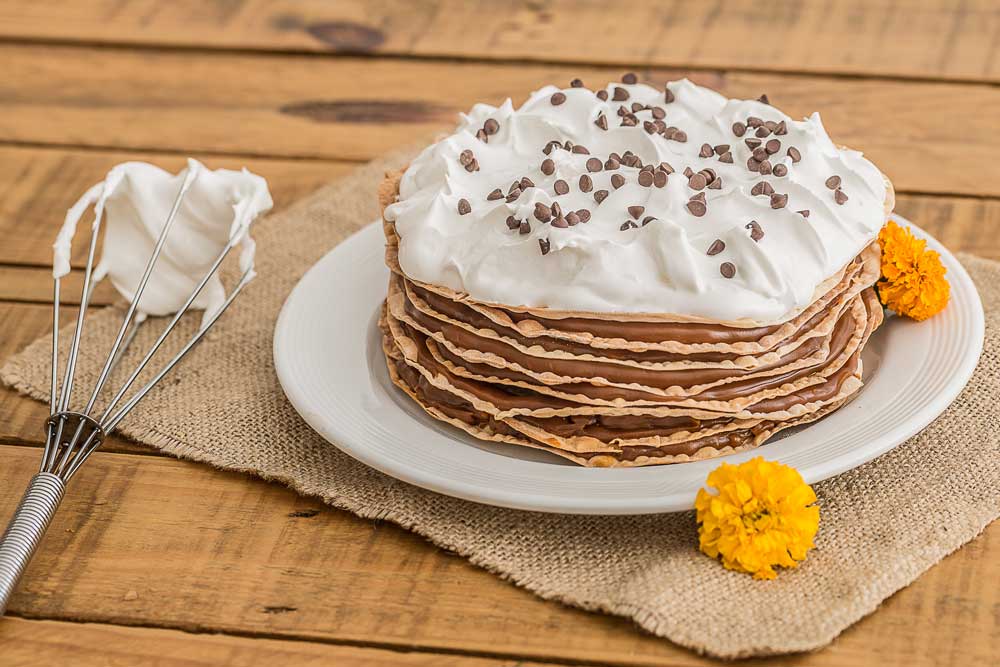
[[62, 457]]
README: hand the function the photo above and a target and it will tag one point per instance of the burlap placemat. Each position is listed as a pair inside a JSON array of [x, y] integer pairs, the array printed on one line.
[[882, 524]]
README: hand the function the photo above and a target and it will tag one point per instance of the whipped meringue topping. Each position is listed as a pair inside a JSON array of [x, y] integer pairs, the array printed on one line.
[[742, 241], [136, 199]]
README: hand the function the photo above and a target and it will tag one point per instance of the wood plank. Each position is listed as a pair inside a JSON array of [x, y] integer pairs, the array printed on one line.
[[920, 38], [928, 137], [152, 541], [23, 642], [37, 185], [31, 284]]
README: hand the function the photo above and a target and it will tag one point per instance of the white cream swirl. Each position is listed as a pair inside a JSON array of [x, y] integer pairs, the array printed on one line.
[[662, 267], [134, 201]]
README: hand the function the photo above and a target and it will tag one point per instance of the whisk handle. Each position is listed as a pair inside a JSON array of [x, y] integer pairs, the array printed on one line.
[[30, 520]]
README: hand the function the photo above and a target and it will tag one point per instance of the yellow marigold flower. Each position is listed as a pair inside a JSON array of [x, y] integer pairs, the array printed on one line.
[[913, 282], [763, 515]]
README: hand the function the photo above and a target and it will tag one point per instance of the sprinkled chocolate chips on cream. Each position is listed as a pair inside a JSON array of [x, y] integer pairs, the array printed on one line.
[[733, 154]]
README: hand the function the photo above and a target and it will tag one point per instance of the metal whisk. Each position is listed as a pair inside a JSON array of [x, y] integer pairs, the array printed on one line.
[[72, 436]]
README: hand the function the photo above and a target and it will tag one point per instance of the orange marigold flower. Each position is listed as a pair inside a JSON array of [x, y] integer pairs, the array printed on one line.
[[913, 282], [761, 516]]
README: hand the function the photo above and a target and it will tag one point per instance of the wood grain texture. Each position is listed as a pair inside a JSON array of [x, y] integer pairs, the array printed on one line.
[[918, 38], [928, 137], [97, 645], [39, 184]]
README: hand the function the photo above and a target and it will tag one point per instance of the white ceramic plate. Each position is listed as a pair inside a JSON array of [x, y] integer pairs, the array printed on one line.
[[329, 360]]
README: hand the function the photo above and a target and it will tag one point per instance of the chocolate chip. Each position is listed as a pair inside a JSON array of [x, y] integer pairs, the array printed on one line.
[[781, 128], [496, 194], [762, 188], [756, 233], [550, 145], [464, 206], [560, 222], [709, 175], [526, 183], [491, 126], [699, 197], [669, 132], [778, 200], [611, 164], [770, 125], [646, 178], [516, 185], [620, 94], [600, 196], [636, 211], [721, 148], [762, 132], [548, 167], [637, 106], [557, 98], [753, 121], [753, 165], [568, 145], [583, 214], [561, 187], [727, 269], [482, 136], [602, 95], [697, 208], [804, 213], [833, 182], [706, 151], [629, 78], [680, 136], [689, 172], [660, 179], [794, 153], [718, 245], [512, 222], [697, 182], [513, 195], [617, 181], [542, 212], [780, 170], [629, 121], [544, 246], [764, 168], [763, 99], [659, 113], [665, 167], [759, 154], [572, 218], [602, 122], [627, 225], [668, 96], [726, 157], [739, 129], [524, 228], [839, 196], [576, 83], [556, 209], [472, 166], [580, 150], [752, 143], [772, 146], [715, 185], [649, 126], [465, 157], [586, 185]]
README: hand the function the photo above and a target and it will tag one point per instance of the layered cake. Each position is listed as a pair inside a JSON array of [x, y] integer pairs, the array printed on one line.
[[633, 275]]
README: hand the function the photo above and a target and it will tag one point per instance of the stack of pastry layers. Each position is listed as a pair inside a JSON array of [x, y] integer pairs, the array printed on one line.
[[606, 389]]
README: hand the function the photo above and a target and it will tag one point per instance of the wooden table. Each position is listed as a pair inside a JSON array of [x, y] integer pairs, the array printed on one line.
[[156, 560]]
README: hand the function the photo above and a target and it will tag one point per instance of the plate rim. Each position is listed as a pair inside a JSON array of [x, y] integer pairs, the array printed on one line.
[[496, 496]]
